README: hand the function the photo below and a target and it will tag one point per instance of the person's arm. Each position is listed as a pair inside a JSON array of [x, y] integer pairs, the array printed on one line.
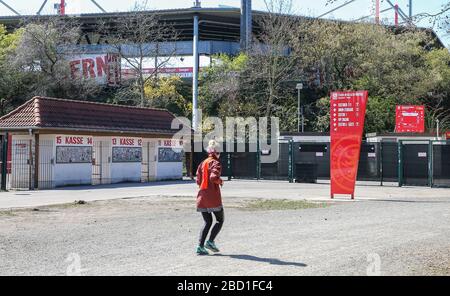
[[199, 175], [216, 171]]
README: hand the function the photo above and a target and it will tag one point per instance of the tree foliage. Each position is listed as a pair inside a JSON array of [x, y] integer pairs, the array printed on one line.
[[167, 93], [396, 67]]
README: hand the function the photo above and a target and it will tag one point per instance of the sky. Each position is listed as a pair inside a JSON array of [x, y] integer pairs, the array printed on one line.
[[355, 10]]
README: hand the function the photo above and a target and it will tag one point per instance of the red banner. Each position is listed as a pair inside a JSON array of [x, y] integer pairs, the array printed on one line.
[[410, 119], [447, 135], [347, 113]]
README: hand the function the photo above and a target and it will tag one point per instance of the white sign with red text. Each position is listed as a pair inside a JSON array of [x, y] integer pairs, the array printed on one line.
[[170, 143], [67, 140], [90, 67], [126, 142]]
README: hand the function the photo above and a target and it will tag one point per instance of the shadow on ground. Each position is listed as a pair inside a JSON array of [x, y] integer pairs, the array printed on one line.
[[264, 260], [124, 185]]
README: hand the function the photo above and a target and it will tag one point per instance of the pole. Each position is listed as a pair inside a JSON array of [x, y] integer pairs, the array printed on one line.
[[430, 164], [396, 15], [303, 120], [9, 7], [291, 162], [437, 129], [243, 24], [298, 111], [4, 161], [195, 77], [410, 10], [62, 8], [337, 8], [377, 12], [249, 25], [400, 163]]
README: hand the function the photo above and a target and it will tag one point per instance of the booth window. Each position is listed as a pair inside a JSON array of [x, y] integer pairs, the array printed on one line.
[[126, 154]]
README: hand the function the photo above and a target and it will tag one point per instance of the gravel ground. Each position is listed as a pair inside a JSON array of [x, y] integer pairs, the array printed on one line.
[[157, 236]]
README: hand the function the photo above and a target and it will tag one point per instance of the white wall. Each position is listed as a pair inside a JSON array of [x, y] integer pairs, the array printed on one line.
[[72, 174], [169, 170], [62, 174], [125, 172]]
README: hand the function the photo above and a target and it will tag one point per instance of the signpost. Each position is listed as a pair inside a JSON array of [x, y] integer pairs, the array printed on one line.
[[410, 119], [347, 116]]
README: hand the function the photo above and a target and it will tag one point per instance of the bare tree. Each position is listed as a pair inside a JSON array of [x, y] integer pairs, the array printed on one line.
[[137, 37], [43, 51], [271, 66]]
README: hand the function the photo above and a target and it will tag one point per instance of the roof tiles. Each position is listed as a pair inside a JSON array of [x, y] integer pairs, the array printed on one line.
[[51, 113]]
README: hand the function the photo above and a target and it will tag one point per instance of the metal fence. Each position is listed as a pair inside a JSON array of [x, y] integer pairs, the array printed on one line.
[[407, 163], [441, 164]]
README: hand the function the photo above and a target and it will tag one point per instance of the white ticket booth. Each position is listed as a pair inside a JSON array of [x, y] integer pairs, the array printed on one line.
[[126, 159], [170, 159]]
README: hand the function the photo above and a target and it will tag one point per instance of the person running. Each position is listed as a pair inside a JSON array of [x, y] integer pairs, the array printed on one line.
[[209, 199]]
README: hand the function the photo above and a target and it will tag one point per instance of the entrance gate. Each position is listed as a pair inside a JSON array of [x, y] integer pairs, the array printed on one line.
[[101, 162], [22, 159], [415, 163]]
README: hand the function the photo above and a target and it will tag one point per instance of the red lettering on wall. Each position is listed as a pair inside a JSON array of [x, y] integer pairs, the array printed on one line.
[[101, 66], [74, 140], [127, 142], [74, 69], [88, 68]]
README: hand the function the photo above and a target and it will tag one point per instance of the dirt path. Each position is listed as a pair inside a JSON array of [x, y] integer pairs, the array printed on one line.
[[157, 236]]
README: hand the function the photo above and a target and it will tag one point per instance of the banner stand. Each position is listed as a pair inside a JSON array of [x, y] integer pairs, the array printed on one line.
[[347, 114]]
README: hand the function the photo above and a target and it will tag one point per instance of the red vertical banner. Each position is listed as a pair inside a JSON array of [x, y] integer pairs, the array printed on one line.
[[410, 119], [347, 114]]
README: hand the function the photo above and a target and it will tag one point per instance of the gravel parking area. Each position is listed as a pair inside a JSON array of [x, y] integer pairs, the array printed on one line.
[[157, 235]]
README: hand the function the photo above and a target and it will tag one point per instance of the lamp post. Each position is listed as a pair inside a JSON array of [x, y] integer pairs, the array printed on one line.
[[437, 129], [299, 87]]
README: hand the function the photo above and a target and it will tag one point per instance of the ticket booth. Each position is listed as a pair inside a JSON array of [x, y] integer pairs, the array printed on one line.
[[64, 143], [126, 159]]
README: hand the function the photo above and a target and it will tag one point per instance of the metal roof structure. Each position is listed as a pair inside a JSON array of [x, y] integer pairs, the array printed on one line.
[[219, 24], [216, 24]]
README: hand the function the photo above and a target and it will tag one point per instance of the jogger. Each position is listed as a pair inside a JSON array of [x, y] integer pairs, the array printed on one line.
[[209, 199], [208, 218]]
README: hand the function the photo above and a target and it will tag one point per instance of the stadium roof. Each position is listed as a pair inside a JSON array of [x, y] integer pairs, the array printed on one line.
[[216, 24]]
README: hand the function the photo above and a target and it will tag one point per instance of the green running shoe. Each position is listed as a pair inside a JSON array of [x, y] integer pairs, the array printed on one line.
[[202, 251], [212, 246]]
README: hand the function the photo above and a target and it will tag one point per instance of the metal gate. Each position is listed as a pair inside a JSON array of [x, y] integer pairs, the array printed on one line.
[[148, 171], [46, 164], [22, 160], [415, 163], [315, 153], [369, 164], [389, 162], [3, 170], [441, 164], [278, 170], [101, 162]]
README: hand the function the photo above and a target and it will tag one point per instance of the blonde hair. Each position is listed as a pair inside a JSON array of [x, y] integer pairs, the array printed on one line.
[[213, 147]]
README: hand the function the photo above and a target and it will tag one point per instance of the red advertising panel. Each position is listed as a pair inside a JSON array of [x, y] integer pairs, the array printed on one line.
[[447, 135], [410, 119], [348, 110]]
